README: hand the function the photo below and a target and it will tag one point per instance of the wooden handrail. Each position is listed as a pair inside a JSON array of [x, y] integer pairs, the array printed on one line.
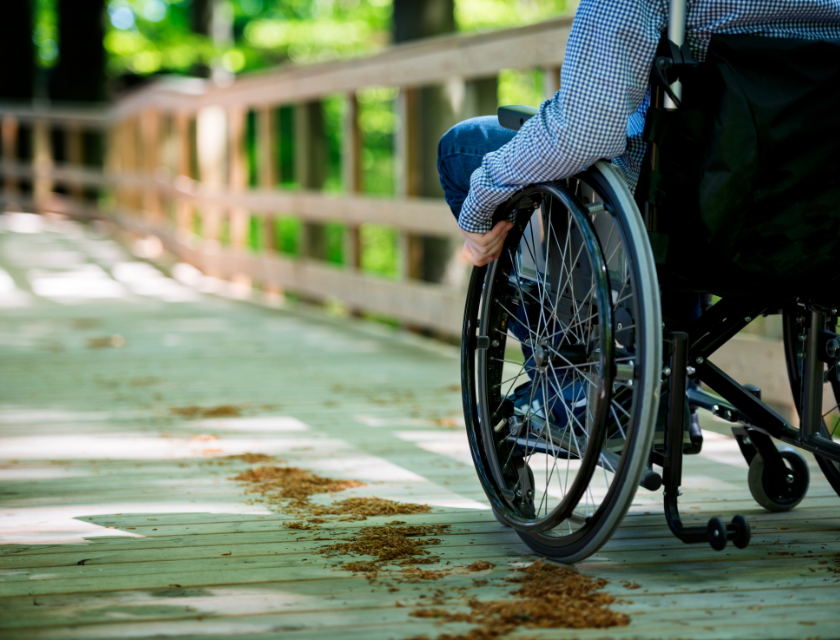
[[137, 179]]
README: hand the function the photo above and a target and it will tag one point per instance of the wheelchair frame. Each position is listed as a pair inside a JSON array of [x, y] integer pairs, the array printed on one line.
[[690, 355], [754, 422]]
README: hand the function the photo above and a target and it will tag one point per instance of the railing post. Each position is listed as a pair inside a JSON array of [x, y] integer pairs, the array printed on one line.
[[9, 133], [183, 206], [42, 162], [310, 164], [409, 172], [150, 122], [551, 82], [211, 142], [237, 180], [352, 177], [75, 155], [266, 147], [237, 174], [131, 161], [267, 142]]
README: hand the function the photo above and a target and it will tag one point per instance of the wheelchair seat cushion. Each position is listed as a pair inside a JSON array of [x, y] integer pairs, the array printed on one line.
[[747, 190]]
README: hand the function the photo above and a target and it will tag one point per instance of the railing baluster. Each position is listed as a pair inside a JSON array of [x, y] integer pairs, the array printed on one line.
[[42, 161], [9, 132], [310, 165], [352, 177], [409, 175], [183, 151], [551, 81]]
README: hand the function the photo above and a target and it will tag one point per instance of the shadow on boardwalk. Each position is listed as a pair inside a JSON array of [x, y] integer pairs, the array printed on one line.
[[119, 522]]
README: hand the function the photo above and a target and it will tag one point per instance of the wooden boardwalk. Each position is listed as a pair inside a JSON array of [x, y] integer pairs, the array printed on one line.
[[118, 522]]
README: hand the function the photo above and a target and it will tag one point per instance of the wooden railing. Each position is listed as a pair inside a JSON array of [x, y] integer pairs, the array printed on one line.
[[158, 136]]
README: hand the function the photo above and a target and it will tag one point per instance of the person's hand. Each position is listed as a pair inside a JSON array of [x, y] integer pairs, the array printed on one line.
[[483, 248]]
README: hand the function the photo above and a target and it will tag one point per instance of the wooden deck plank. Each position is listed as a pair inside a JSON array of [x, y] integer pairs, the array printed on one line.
[[95, 467]]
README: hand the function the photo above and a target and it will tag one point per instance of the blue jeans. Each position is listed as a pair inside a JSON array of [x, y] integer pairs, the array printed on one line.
[[460, 152]]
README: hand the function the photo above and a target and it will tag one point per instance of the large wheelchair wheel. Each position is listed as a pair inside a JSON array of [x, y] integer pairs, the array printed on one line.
[[794, 347], [561, 363]]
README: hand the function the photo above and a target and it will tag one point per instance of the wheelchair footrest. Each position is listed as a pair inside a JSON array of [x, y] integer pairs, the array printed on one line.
[[717, 533]]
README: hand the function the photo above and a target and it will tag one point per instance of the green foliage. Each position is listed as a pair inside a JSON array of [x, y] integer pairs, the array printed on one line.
[[334, 243], [335, 109], [520, 87], [379, 249], [487, 15], [286, 134], [288, 233], [45, 33], [149, 36], [256, 233], [311, 30], [251, 147], [153, 36], [378, 122]]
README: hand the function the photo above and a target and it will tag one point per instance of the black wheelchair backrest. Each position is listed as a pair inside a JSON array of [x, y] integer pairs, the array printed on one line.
[[747, 187]]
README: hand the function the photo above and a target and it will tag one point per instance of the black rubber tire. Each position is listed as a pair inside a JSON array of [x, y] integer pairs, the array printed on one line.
[[830, 469], [744, 532], [499, 518], [717, 534], [762, 484], [588, 533]]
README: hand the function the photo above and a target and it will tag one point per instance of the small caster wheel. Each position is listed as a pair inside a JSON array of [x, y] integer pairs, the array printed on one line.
[[717, 534], [779, 490], [742, 532]]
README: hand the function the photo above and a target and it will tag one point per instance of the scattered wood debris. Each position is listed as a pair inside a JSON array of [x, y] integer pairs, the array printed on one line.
[[361, 508], [247, 458], [390, 544], [549, 597], [204, 437], [251, 458], [220, 411], [106, 342], [289, 486]]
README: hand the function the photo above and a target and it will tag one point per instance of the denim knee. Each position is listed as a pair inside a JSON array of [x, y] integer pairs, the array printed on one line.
[[460, 152]]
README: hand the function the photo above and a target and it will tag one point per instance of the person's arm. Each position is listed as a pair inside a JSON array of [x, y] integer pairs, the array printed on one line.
[[604, 80]]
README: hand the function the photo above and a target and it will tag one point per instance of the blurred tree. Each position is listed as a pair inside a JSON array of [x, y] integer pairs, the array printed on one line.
[[201, 20], [17, 73], [413, 20], [145, 37], [80, 72]]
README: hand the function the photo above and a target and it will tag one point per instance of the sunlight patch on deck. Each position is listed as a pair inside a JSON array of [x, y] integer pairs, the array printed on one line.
[[11, 414], [10, 295], [144, 280], [131, 446], [255, 423], [87, 282], [450, 444], [72, 523]]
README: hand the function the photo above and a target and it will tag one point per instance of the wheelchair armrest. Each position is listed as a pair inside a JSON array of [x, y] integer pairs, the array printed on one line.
[[514, 116]]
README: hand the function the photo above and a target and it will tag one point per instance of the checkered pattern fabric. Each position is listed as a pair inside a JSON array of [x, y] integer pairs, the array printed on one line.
[[599, 111]]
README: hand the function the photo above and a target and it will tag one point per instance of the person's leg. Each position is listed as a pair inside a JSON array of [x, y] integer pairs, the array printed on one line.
[[460, 152]]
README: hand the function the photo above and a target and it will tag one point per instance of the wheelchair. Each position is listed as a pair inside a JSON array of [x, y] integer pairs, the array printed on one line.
[[569, 344]]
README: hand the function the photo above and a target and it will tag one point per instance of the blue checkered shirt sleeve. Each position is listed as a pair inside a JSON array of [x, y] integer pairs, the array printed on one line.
[[604, 83], [599, 111]]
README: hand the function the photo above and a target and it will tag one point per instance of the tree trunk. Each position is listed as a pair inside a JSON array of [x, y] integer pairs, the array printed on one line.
[[17, 74], [80, 73], [413, 20]]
